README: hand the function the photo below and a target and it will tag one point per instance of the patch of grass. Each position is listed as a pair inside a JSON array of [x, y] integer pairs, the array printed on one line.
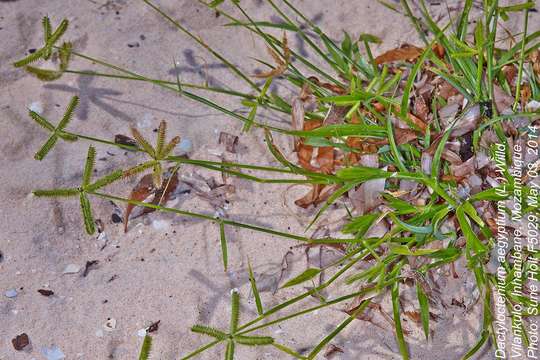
[[363, 109]]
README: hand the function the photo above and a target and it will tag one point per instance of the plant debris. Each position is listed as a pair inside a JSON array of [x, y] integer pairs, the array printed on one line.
[[281, 63], [154, 327], [332, 350], [145, 191], [229, 141], [405, 52], [46, 292], [20, 341], [89, 266]]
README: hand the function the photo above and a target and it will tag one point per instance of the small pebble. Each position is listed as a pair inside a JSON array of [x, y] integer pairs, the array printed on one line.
[[11, 293], [160, 224], [36, 106], [110, 325], [141, 333], [115, 218], [184, 147], [72, 269], [53, 353]]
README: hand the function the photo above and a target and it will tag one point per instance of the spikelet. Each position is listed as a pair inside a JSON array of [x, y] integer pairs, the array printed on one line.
[[29, 59], [156, 175], [45, 53], [146, 348], [89, 166], [60, 30], [235, 310], [170, 147], [143, 143], [138, 169], [46, 148], [46, 22], [162, 132], [69, 113], [106, 180], [64, 54], [56, 192], [254, 340], [41, 121], [44, 74], [87, 214], [206, 330]]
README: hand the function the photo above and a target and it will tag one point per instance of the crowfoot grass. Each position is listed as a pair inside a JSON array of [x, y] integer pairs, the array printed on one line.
[[402, 139]]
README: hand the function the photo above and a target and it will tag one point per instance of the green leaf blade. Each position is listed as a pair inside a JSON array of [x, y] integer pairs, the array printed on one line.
[[308, 274]]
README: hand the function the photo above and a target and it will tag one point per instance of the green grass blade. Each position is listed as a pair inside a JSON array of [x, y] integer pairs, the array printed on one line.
[[308, 274], [412, 78], [255, 291], [232, 67], [337, 330], [461, 32], [522, 57], [424, 309], [397, 321], [473, 242], [223, 241]]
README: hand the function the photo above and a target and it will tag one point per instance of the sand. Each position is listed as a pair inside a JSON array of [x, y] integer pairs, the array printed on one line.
[[166, 267]]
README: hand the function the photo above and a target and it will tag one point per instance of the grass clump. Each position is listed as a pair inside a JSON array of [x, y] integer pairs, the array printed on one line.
[[403, 139]]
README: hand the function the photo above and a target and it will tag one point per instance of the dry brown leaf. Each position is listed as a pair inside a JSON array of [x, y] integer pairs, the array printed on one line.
[[124, 140], [145, 188], [420, 108], [503, 101], [406, 52], [332, 87], [525, 95], [332, 350], [404, 136], [217, 197], [281, 63], [230, 141], [446, 90], [417, 122], [438, 50], [325, 159], [21, 341], [510, 72], [414, 316], [311, 197]]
